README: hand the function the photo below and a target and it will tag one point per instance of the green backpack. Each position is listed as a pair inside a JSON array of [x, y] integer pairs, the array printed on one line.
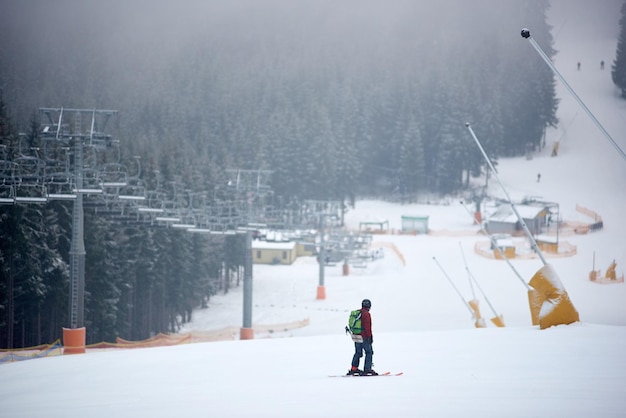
[[354, 322]]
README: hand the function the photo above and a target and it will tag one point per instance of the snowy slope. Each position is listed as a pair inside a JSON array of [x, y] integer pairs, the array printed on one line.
[[421, 325]]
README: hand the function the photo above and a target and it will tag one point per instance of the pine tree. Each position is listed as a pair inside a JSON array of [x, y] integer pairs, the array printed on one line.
[[618, 71], [411, 162], [31, 264], [104, 278]]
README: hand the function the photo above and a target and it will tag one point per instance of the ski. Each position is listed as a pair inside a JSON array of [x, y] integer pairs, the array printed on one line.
[[358, 375]]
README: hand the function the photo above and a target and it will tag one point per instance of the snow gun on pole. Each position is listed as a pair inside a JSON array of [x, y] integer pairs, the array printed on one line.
[[497, 320], [480, 322], [549, 302], [501, 253], [533, 243], [470, 281], [526, 35], [473, 303]]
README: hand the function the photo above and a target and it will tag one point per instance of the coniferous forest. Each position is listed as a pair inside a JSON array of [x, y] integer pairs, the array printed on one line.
[[618, 71], [339, 99]]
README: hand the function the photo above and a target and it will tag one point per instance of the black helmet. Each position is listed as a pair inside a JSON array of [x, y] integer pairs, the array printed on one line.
[[366, 303]]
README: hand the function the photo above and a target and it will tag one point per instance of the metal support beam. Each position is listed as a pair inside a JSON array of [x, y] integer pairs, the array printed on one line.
[[321, 290], [247, 333], [77, 247], [526, 35]]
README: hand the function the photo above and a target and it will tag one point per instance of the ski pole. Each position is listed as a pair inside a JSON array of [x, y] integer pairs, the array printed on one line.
[[526, 35]]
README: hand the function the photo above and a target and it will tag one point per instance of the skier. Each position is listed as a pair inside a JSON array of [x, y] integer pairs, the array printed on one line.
[[364, 343]]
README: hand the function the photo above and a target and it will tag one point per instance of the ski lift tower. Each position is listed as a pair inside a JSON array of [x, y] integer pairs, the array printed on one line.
[[327, 214], [251, 185], [79, 128]]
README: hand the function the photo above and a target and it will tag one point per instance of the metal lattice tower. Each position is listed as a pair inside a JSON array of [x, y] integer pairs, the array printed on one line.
[[79, 137], [248, 186], [77, 248]]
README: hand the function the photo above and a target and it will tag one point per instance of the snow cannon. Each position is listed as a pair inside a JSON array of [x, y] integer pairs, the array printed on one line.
[[550, 304], [480, 321], [535, 301], [498, 321], [526, 35]]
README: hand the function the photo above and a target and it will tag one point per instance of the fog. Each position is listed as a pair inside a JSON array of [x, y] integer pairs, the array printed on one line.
[[65, 42], [219, 70]]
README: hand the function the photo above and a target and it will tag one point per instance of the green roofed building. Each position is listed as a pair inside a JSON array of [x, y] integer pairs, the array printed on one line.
[[414, 224]]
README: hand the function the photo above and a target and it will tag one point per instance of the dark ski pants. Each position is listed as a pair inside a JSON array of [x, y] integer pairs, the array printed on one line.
[[359, 348]]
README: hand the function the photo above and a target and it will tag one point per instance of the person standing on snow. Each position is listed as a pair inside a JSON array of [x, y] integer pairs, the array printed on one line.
[[364, 343]]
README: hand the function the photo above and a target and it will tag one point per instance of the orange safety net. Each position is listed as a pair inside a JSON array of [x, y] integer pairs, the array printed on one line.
[[29, 353], [159, 340]]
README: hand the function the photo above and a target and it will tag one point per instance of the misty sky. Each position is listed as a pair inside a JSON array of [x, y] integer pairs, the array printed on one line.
[[128, 31], [130, 42]]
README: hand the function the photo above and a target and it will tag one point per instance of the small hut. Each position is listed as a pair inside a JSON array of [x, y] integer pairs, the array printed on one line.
[[414, 224], [265, 252]]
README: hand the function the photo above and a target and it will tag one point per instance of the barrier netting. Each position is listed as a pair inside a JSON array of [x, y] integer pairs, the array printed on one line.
[[159, 340], [20, 354]]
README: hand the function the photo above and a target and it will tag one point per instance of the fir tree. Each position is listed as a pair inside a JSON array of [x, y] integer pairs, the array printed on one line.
[[411, 162], [618, 71]]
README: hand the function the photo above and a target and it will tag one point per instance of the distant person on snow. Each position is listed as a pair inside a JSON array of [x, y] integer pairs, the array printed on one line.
[[578, 66], [538, 177], [363, 342], [602, 65]]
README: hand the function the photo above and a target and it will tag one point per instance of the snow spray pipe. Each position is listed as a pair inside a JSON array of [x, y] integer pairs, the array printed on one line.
[[526, 35], [567, 127], [473, 279], [494, 244], [455, 288], [468, 273], [533, 243]]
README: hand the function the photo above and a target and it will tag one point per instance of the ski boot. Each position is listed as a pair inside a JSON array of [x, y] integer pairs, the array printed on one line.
[[354, 372]]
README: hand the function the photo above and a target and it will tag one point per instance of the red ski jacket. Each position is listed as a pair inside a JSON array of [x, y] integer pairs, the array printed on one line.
[[366, 323]]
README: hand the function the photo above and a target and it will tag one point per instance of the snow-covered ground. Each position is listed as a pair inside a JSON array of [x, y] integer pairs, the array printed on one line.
[[421, 325]]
